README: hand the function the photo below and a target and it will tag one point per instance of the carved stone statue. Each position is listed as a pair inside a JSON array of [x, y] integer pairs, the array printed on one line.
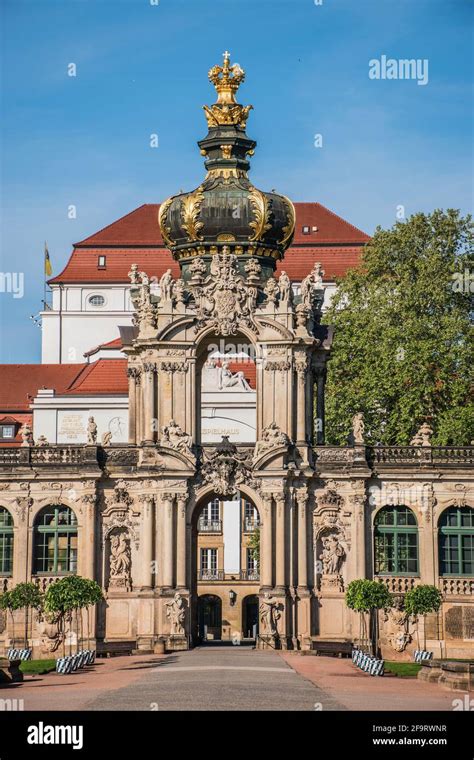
[[166, 283], [26, 435], [176, 614], [120, 560], [174, 437], [396, 624], [269, 615], [178, 290], [91, 431], [271, 290], [423, 436], [313, 281], [358, 428], [197, 270], [284, 287], [318, 273], [133, 274], [332, 555], [227, 379], [272, 437], [106, 438]]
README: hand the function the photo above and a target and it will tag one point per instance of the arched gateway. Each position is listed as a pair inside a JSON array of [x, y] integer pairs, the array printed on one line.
[[225, 515]]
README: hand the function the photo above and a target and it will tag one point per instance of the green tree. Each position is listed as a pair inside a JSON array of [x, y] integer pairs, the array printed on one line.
[[368, 597], [67, 598], [403, 346], [419, 602], [254, 546], [26, 596]]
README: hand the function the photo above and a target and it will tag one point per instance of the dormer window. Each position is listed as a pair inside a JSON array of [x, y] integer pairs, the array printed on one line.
[[305, 230], [7, 432], [102, 262]]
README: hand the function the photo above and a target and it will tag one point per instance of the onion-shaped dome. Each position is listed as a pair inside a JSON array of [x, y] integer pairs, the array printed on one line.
[[226, 209]]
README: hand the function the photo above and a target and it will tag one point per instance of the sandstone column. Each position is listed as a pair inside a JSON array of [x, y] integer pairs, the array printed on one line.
[[301, 500], [181, 541], [88, 536], [301, 365], [132, 373], [167, 552], [320, 375], [267, 539], [148, 402], [280, 542], [147, 541]]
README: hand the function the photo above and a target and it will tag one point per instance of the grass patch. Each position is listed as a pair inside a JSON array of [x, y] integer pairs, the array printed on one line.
[[403, 669], [37, 667]]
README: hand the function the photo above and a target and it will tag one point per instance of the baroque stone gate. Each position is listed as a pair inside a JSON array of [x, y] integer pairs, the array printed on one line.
[[133, 509]]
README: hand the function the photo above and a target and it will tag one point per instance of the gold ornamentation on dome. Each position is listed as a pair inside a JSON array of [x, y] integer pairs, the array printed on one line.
[[261, 222], [190, 208], [162, 218], [226, 151], [227, 80], [236, 115], [289, 228]]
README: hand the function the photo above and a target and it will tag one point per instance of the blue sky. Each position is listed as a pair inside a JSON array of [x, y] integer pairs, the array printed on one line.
[[142, 69]]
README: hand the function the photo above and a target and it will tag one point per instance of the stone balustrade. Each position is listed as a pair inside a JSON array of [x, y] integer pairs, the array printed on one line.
[[457, 586], [398, 584]]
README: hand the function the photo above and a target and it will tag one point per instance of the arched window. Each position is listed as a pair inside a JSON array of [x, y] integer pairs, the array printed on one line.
[[456, 541], [6, 542], [396, 542], [55, 541]]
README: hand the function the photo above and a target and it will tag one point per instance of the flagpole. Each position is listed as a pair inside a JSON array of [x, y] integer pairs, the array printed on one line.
[[45, 276]]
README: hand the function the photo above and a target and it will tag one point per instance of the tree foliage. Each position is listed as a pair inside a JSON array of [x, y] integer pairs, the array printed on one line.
[[403, 347], [421, 600], [364, 595]]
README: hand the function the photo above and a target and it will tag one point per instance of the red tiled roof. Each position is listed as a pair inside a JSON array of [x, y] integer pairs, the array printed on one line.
[[136, 239], [103, 377], [19, 383], [335, 261], [115, 344]]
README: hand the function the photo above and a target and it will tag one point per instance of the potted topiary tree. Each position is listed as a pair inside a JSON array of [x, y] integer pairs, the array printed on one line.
[[368, 597], [419, 602], [68, 596]]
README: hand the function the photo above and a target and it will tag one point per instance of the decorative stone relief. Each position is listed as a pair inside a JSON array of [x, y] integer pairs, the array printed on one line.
[[226, 469], [176, 614], [270, 614], [396, 626], [175, 438], [222, 302], [272, 438], [120, 560]]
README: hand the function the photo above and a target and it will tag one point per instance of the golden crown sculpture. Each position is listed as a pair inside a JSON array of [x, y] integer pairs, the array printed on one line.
[[226, 111]]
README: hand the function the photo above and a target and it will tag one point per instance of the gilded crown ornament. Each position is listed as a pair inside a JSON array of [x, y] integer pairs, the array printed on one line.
[[227, 80], [226, 208]]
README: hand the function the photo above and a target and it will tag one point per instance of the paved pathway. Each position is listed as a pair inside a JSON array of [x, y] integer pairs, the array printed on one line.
[[226, 678], [219, 678], [359, 691]]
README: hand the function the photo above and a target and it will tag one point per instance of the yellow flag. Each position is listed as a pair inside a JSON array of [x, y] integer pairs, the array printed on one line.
[[48, 270]]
